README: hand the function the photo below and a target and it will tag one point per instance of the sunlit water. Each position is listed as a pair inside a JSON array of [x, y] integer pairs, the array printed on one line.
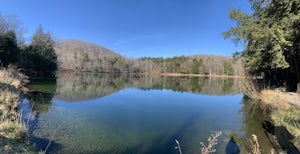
[[124, 117]]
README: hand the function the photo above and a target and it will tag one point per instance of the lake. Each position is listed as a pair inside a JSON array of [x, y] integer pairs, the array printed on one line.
[[101, 113]]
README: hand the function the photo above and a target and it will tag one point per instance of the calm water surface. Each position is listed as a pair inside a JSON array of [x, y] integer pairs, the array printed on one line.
[[115, 114]]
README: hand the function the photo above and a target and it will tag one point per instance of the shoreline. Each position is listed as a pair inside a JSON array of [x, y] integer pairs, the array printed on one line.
[[160, 74], [13, 131], [279, 99], [284, 111], [200, 75]]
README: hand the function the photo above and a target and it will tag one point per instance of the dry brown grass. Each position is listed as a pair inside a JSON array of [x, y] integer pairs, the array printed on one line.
[[13, 77], [251, 88], [12, 129], [285, 112], [290, 119], [272, 98], [212, 141], [9, 101], [254, 145], [278, 99]]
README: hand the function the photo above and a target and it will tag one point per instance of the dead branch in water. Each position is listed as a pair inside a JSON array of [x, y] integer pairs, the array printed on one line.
[[251, 88]]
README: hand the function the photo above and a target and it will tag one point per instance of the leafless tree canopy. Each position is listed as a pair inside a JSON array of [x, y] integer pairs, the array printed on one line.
[[13, 24], [77, 55]]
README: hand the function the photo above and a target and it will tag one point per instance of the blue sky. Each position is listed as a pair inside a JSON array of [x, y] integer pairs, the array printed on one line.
[[134, 28]]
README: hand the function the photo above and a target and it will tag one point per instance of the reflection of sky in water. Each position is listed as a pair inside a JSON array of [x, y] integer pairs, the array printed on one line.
[[138, 121]]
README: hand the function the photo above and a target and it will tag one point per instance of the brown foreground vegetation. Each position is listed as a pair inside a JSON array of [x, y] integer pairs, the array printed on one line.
[[283, 109], [285, 112], [280, 99], [13, 132]]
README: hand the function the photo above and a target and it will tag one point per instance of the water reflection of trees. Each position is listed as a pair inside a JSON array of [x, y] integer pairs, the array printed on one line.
[[253, 119], [40, 99], [40, 102], [81, 87], [257, 120]]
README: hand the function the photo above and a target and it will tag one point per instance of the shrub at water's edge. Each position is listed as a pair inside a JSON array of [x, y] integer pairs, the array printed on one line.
[[13, 133], [205, 149]]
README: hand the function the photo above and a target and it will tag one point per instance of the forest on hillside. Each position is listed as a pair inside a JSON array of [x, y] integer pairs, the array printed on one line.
[[43, 57], [74, 55]]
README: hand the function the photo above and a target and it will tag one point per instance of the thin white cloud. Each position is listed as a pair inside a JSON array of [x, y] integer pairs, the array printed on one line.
[[142, 37]]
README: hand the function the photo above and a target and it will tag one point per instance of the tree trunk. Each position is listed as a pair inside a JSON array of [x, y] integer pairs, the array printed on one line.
[[297, 67]]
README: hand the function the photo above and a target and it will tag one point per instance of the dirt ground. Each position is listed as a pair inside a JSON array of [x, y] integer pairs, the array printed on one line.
[[280, 98]]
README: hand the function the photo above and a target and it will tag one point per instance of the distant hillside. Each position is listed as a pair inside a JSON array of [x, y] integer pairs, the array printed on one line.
[[84, 56], [74, 55], [198, 64]]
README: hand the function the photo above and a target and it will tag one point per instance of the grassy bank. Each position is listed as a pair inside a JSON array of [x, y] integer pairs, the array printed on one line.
[[285, 113], [13, 133], [284, 110], [288, 119]]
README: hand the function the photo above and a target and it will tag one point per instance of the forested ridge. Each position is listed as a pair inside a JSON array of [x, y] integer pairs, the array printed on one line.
[[75, 55], [42, 56]]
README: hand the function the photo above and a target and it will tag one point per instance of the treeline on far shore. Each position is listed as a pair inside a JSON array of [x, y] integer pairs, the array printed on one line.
[[42, 56], [80, 56]]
